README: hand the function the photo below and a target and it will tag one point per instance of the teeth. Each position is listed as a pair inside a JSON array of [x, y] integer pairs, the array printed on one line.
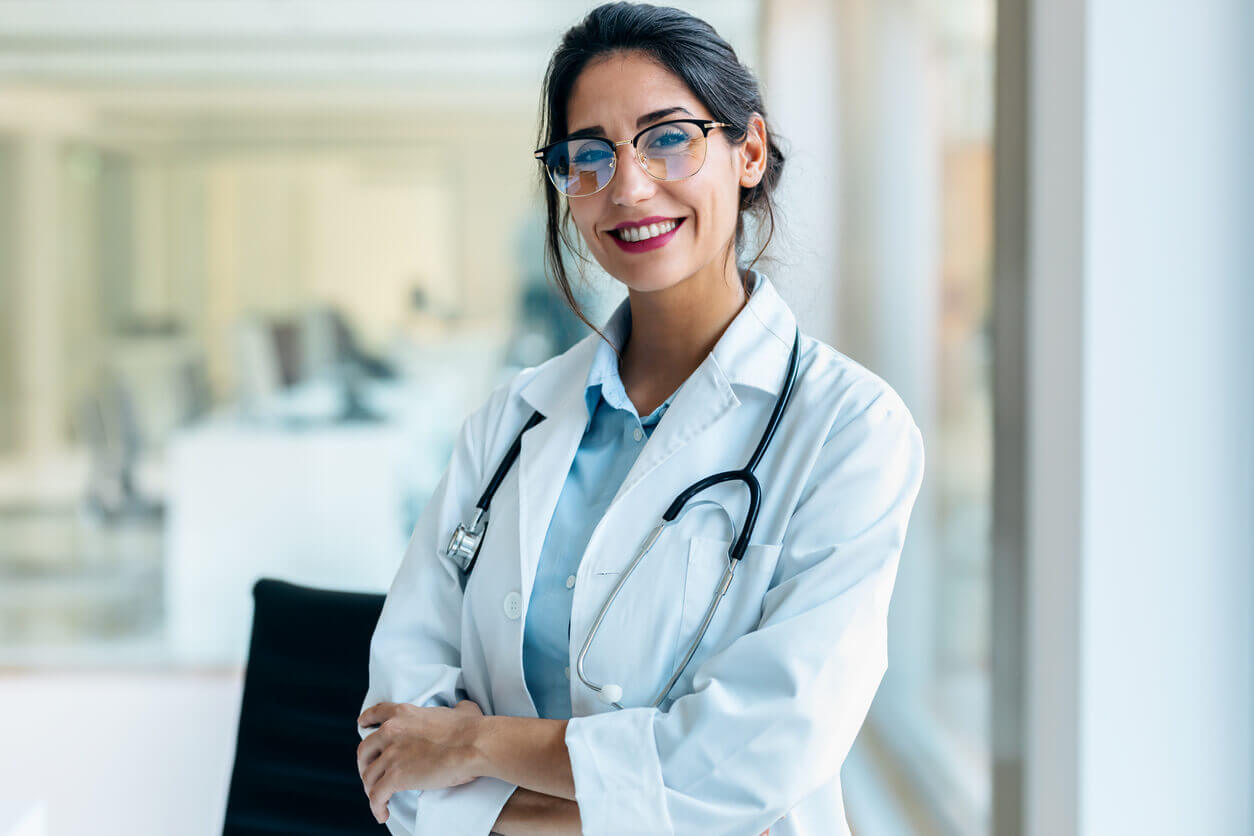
[[644, 233]]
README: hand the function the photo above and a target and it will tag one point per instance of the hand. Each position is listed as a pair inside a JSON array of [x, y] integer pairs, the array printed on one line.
[[415, 749]]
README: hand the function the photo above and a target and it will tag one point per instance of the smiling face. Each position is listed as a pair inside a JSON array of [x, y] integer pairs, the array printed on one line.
[[612, 95]]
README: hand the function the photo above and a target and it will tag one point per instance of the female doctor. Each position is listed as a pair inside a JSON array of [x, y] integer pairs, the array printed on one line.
[[510, 698]]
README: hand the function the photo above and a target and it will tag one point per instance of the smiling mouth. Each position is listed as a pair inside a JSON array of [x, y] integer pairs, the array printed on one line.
[[645, 232]]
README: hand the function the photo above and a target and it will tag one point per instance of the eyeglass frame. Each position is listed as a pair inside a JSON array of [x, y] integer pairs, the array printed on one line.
[[705, 125]]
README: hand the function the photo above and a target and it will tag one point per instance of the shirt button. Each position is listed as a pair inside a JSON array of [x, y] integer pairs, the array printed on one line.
[[570, 582], [637, 433], [567, 671], [513, 605]]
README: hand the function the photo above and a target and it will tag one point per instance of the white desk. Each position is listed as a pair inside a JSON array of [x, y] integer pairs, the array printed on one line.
[[23, 818], [328, 505], [128, 754]]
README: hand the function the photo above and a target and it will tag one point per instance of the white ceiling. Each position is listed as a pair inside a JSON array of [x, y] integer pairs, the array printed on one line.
[[141, 51]]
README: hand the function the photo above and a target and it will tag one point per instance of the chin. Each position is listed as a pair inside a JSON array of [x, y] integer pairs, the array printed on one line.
[[646, 280]]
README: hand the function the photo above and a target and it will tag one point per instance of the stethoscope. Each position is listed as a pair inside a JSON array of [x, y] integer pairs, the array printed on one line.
[[463, 547]]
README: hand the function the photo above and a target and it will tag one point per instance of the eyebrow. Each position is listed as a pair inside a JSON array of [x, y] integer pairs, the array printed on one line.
[[652, 116]]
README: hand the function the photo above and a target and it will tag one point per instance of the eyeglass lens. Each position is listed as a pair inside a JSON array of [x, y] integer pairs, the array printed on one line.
[[669, 152]]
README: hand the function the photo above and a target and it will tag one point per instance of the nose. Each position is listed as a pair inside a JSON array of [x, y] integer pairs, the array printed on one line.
[[631, 184]]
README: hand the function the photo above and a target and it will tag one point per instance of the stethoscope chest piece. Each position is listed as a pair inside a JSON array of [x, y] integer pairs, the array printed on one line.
[[463, 546]]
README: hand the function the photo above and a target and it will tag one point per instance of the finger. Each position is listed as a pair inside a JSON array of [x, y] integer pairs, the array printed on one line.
[[374, 771], [376, 714], [364, 762], [368, 750], [468, 705], [379, 798]]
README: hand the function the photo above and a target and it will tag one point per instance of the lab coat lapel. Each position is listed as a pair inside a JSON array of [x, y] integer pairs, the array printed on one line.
[[703, 399], [753, 351], [549, 448]]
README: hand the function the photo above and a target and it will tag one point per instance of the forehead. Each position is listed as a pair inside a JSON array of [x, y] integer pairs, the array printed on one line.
[[612, 91]]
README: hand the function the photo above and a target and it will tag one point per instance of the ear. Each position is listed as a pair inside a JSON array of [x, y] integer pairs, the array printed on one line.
[[753, 152]]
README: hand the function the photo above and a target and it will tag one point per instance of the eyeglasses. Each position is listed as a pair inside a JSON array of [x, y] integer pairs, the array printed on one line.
[[666, 151]]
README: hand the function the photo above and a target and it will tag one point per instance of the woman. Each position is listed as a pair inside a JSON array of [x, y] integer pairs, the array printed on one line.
[[751, 733]]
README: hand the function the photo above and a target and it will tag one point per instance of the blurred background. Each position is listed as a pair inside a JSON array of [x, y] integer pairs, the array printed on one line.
[[258, 260]]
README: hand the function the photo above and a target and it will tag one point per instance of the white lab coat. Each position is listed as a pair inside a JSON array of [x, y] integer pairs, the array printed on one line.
[[755, 731]]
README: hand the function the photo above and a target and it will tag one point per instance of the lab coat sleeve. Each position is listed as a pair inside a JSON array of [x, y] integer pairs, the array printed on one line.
[[772, 716], [415, 652]]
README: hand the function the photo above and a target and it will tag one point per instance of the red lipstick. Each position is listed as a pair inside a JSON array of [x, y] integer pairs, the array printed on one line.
[[647, 244]]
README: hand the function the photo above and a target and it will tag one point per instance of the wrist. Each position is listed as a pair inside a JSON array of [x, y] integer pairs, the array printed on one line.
[[478, 746]]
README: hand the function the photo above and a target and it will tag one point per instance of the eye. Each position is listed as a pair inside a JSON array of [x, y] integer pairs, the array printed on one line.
[[668, 140], [590, 155]]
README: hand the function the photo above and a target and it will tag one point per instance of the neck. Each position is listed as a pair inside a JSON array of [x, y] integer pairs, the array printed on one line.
[[673, 330]]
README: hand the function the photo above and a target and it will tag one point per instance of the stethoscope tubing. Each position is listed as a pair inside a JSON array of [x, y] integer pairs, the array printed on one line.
[[474, 534], [479, 524], [738, 549]]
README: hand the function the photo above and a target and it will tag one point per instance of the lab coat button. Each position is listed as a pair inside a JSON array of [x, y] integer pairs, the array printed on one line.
[[567, 671], [570, 582], [637, 434], [513, 605]]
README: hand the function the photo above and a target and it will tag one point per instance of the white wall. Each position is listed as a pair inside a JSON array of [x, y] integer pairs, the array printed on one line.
[[1141, 419], [1169, 412]]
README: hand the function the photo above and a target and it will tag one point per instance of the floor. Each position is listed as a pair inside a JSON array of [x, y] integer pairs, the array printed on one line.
[[119, 754]]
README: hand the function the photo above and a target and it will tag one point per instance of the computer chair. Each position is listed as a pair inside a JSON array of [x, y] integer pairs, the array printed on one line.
[[295, 754]]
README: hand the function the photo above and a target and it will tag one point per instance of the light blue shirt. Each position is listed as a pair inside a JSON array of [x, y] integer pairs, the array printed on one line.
[[612, 439]]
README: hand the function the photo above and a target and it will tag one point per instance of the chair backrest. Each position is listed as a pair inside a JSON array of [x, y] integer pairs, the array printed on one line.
[[295, 753]]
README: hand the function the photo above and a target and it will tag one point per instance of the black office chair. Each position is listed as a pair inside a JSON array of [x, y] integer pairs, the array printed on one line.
[[295, 753]]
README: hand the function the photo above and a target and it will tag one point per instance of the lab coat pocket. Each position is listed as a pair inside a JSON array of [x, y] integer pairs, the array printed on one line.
[[738, 613]]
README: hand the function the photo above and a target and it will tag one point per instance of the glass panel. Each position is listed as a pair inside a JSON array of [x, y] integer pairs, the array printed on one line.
[[917, 145]]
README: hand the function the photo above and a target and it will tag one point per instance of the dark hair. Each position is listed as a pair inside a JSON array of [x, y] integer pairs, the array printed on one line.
[[686, 46]]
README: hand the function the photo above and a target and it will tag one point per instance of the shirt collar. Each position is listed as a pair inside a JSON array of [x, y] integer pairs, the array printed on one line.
[[752, 351], [603, 377], [739, 351]]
